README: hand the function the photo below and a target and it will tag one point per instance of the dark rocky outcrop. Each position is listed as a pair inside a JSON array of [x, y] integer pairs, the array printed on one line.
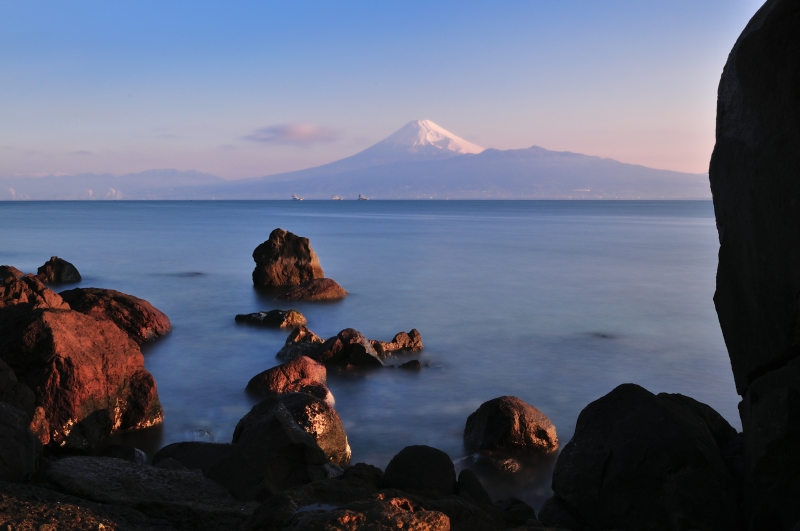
[[273, 318], [285, 259], [15, 393], [756, 187], [508, 425], [18, 445], [348, 347], [185, 499], [29, 293], [300, 375], [311, 414], [641, 461], [409, 342], [87, 375], [321, 289], [136, 317], [7, 271], [421, 470], [301, 342], [58, 271]]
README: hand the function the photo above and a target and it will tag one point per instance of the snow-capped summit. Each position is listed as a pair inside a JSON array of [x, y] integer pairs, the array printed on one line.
[[418, 135]]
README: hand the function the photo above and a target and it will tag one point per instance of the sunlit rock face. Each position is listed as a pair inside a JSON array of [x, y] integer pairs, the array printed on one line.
[[755, 181]]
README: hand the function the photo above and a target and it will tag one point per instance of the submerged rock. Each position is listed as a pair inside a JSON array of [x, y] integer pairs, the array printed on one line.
[[641, 461], [273, 318], [321, 289], [300, 375], [508, 425], [58, 271], [136, 317], [301, 342], [285, 259]]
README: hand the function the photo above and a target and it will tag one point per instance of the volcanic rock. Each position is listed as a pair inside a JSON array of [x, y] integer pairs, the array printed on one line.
[[10, 271], [136, 317], [421, 470], [300, 375], [15, 393], [57, 271], [348, 347], [321, 289], [88, 376], [29, 292], [301, 342], [18, 446], [313, 415], [285, 259], [184, 498], [271, 453], [411, 342], [509, 425], [641, 461], [755, 187], [273, 318]]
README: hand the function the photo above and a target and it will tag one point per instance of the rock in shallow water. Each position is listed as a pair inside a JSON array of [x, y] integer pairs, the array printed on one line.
[[273, 318], [321, 289], [300, 375], [301, 342], [58, 271], [508, 425], [285, 259]]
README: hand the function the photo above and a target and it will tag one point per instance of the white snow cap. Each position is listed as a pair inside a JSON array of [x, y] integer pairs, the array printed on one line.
[[419, 133]]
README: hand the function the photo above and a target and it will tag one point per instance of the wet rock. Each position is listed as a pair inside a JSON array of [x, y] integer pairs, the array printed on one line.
[[18, 445], [321, 289], [641, 461], [755, 187], [421, 470], [413, 365], [28, 293], [183, 498], [272, 454], [273, 318], [7, 271], [29, 507], [300, 375], [285, 259], [126, 453], [194, 455], [87, 375], [470, 488], [57, 271], [348, 347], [313, 415], [509, 425], [136, 317], [301, 342], [409, 342], [15, 393]]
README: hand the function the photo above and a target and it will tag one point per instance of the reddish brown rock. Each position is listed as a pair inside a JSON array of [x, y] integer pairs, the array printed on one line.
[[87, 374], [348, 347], [507, 424], [321, 289], [285, 259], [301, 342], [136, 317], [300, 375], [57, 271], [273, 318], [10, 271], [29, 292], [411, 342]]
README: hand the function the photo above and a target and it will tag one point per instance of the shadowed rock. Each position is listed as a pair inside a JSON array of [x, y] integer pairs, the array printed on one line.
[[58, 271], [18, 445], [321, 289], [15, 393], [285, 259], [421, 470], [273, 318], [136, 317]]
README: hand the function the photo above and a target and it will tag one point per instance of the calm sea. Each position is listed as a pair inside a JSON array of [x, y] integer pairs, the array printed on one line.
[[556, 302]]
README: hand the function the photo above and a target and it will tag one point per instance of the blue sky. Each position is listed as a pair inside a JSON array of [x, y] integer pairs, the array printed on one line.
[[243, 89]]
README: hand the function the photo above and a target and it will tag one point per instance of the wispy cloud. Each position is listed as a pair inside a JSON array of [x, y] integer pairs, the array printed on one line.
[[297, 134]]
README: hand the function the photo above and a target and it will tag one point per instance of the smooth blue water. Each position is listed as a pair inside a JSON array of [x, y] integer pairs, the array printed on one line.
[[556, 302]]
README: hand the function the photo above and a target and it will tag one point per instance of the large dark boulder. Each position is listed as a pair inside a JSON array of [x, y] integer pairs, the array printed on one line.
[[755, 182], [58, 271], [300, 375], [641, 461], [285, 259], [18, 445], [421, 470], [136, 317], [508, 425]]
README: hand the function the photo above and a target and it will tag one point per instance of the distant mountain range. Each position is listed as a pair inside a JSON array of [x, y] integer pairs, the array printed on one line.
[[420, 161]]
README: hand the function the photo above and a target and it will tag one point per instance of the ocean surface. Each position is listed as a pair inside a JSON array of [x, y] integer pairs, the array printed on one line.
[[556, 302]]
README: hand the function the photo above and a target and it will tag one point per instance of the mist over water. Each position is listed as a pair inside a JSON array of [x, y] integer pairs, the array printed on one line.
[[556, 302]]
